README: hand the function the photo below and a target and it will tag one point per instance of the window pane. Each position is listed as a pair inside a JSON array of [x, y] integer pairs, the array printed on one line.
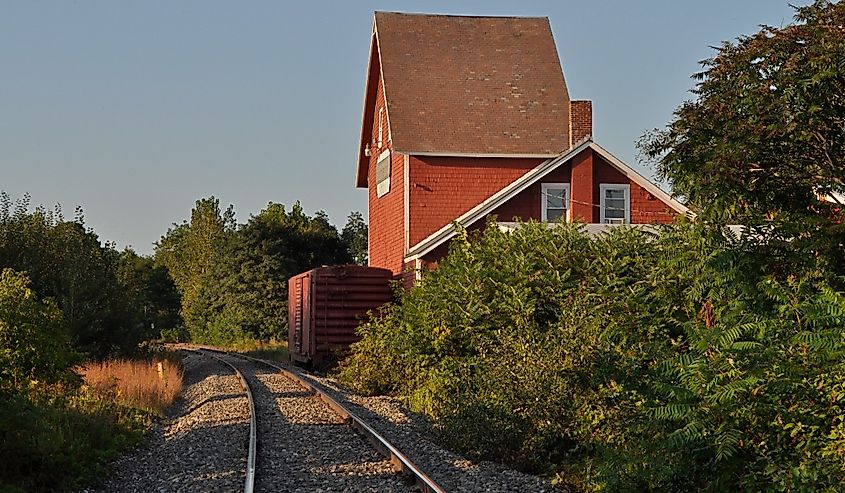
[[614, 213], [555, 214], [614, 193], [555, 197], [614, 204]]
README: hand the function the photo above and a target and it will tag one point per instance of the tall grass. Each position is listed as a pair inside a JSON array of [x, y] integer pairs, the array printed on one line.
[[146, 384]]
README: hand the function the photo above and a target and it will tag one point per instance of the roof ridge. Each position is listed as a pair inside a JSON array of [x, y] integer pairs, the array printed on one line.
[[470, 16]]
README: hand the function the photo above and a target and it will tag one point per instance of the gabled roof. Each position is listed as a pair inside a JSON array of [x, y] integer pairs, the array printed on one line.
[[485, 208], [461, 85]]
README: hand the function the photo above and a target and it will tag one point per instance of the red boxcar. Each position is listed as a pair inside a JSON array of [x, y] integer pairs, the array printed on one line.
[[327, 304]]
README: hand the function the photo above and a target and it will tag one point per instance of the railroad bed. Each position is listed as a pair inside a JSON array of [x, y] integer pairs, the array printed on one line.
[[303, 444]]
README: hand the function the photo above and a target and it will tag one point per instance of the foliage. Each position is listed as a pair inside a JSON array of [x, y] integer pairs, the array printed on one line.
[[634, 361], [266, 251], [763, 143], [33, 337], [55, 434], [355, 235], [189, 252], [68, 264], [151, 294], [272, 351], [58, 438], [233, 283]]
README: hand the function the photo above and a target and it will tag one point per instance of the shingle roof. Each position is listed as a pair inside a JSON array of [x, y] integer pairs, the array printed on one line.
[[472, 85], [487, 85]]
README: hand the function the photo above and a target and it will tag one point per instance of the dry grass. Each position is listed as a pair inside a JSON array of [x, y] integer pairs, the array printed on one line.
[[146, 384]]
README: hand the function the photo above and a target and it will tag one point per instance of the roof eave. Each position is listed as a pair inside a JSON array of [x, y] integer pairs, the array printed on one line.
[[538, 155], [361, 172]]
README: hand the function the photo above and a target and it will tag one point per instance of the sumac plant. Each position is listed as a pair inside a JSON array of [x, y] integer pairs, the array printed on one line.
[[665, 360]]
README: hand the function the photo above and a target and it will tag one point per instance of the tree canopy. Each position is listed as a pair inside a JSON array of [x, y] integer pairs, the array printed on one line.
[[233, 278], [68, 263], [355, 234], [763, 142]]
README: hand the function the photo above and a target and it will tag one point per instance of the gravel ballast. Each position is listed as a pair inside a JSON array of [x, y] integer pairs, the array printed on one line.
[[201, 446], [303, 446], [411, 434]]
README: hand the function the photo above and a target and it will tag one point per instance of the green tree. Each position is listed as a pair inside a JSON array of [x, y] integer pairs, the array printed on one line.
[[355, 235], [33, 335], [151, 294], [68, 263], [264, 253], [189, 251], [762, 143]]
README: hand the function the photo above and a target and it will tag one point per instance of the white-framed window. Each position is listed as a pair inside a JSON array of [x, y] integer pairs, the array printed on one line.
[[555, 202], [383, 173], [379, 140], [615, 203]]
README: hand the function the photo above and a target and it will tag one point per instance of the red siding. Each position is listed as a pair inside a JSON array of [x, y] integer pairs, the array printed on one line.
[[386, 213], [648, 209], [527, 203], [443, 188], [645, 207], [584, 187]]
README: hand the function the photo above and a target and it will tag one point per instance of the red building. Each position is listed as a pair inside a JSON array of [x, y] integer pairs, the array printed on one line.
[[470, 116]]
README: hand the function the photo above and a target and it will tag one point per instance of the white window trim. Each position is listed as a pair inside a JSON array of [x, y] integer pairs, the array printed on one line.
[[544, 190], [626, 188], [383, 186]]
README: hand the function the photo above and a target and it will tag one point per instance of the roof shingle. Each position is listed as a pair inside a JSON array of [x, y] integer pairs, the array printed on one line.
[[472, 85]]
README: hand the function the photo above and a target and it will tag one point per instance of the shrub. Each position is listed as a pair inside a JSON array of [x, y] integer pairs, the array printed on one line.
[[33, 337], [60, 439], [675, 360]]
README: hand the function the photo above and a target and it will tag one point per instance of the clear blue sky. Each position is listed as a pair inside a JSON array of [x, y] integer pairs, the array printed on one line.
[[134, 110]]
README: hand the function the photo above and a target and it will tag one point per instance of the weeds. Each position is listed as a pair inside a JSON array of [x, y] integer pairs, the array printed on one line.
[[272, 351], [59, 438], [145, 384]]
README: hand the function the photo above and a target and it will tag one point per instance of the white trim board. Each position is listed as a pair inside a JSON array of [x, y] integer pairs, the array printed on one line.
[[477, 154], [483, 209], [364, 110]]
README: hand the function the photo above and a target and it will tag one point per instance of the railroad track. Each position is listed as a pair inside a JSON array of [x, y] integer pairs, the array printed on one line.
[[249, 483], [276, 391]]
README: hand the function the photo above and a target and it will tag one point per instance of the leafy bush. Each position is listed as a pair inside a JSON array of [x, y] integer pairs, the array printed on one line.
[[33, 336], [56, 434], [60, 439], [633, 361]]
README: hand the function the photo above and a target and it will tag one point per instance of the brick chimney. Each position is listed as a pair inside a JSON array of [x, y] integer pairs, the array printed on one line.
[[580, 121]]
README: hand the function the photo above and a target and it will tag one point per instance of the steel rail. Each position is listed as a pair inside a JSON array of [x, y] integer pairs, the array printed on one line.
[[249, 484], [398, 460]]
